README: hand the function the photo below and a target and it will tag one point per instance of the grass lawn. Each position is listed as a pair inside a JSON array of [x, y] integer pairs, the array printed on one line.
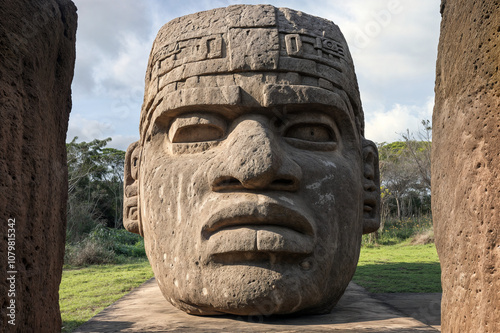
[[400, 268], [84, 292]]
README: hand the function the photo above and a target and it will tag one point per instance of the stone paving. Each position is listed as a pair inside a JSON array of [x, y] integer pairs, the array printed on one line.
[[145, 310]]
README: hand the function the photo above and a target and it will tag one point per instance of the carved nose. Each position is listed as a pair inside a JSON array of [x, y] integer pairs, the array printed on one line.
[[256, 161]]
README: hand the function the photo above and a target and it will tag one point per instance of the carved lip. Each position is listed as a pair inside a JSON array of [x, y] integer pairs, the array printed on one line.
[[369, 204], [251, 227], [251, 214]]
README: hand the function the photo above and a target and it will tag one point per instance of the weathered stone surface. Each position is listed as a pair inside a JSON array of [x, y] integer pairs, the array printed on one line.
[[252, 182], [37, 48], [466, 165]]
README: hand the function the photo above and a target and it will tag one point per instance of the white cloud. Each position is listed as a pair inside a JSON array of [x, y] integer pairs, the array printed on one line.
[[124, 72], [113, 43], [89, 129], [122, 141], [387, 126], [395, 67]]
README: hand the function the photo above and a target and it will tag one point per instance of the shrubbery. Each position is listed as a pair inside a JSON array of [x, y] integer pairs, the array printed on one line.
[[416, 229], [94, 233], [88, 252], [103, 246]]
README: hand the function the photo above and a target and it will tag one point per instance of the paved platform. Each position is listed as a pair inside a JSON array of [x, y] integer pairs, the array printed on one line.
[[425, 307], [145, 310]]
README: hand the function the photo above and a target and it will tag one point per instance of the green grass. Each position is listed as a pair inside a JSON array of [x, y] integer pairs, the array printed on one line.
[[400, 268], [396, 231], [86, 291]]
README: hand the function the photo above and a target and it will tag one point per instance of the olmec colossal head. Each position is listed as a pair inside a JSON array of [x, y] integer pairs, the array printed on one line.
[[252, 182]]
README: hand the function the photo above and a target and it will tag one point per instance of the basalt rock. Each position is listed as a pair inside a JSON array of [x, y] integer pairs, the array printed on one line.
[[37, 48], [252, 182], [466, 165]]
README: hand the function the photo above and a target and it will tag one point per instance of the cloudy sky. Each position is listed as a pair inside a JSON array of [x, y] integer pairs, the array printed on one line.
[[393, 43]]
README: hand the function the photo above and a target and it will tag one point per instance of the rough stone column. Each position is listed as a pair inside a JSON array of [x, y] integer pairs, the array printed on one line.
[[466, 165], [37, 55]]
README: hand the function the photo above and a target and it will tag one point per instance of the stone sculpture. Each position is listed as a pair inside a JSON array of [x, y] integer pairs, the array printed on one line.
[[252, 182], [466, 165], [37, 48]]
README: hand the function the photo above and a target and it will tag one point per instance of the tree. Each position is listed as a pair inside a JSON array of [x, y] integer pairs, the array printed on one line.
[[405, 174], [420, 150], [95, 186], [112, 182], [397, 172]]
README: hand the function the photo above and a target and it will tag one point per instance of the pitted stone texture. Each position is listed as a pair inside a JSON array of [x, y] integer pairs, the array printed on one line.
[[37, 47], [466, 165], [242, 39], [252, 182]]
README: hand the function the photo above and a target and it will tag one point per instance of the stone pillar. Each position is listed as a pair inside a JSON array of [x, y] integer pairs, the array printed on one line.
[[37, 55], [466, 165]]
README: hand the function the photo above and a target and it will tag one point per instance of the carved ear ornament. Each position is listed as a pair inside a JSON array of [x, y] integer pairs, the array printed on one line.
[[131, 203], [371, 187]]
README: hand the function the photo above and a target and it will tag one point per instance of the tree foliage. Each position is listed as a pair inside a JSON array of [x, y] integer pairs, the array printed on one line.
[[95, 187], [405, 175], [420, 150]]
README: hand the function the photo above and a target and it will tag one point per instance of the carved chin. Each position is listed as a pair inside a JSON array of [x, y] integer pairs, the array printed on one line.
[[247, 290], [259, 287]]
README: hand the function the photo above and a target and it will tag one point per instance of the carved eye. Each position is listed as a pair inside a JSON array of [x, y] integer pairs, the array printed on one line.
[[197, 133], [197, 128], [311, 132]]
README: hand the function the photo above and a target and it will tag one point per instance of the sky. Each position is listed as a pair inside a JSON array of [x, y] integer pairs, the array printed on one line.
[[393, 44]]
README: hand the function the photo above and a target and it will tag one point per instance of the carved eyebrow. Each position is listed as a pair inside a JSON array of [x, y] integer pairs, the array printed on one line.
[[191, 119], [229, 100], [281, 95], [308, 116], [167, 102]]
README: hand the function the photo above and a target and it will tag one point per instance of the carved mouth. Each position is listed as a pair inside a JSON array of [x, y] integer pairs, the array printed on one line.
[[258, 228], [369, 207], [251, 214]]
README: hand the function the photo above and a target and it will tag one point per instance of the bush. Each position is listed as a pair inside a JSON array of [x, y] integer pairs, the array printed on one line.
[[120, 241], [397, 231], [423, 237], [88, 252], [79, 222], [105, 245]]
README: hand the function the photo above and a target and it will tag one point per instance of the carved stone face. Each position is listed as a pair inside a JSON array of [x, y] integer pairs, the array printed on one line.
[[252, 207]]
